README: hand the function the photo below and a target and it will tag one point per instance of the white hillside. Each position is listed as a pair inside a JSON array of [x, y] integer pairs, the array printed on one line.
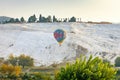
[[37, 40]]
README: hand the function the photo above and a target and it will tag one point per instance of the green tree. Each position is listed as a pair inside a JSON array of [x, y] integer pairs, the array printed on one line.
[[65, 20], [22, 19], [49, 19], [83, 69], [73, 19], [55, 19], [25, 60], [21, 60], [117, 62], [17, 20], [32, 19], [12, 60], [12, 20], [44, 19], [40, 18]]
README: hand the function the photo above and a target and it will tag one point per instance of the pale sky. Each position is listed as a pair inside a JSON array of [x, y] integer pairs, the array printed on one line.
[[88, 10]]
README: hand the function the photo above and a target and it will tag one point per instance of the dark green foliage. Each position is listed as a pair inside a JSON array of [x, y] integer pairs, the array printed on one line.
[[25, 60], [21, 60], [32, 19], [117, 62], [17, 20], [65, 20], [73, 19], [49, 19], [13, 61], [12, 20], [106, 61], [91, 69], [35, 76], [22, 19], [8, 77], [43, 19], [26, 76], [55, 19], [118, 74], [40, 18]]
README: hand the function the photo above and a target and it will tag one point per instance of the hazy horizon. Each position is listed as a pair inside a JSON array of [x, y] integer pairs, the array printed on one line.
[[88, 10]]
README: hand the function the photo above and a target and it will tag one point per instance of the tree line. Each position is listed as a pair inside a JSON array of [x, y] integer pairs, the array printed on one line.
[[42, 19]]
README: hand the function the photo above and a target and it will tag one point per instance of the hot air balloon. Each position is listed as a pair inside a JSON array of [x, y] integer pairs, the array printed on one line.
[[59, 35]]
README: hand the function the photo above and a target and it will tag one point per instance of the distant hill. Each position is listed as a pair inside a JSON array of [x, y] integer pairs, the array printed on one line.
[[4, 18], [103, 22]]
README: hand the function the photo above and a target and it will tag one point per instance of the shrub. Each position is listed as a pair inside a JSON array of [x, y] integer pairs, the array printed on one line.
[[9, 71], [91, 69], [106, 61], [118, 74], [117, 62], [22, 60], [35, 76]]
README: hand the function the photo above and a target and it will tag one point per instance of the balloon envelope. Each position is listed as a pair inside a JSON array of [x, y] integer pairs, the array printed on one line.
[[59, 35]]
